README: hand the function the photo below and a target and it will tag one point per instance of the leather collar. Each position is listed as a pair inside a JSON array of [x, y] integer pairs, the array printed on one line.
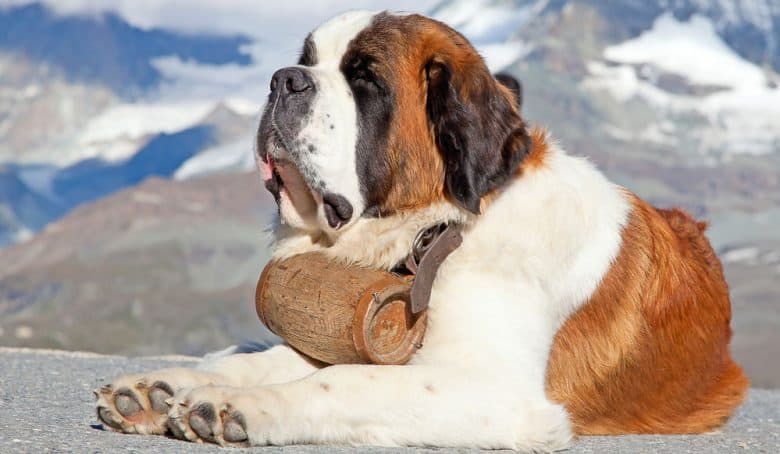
[[431, 246]]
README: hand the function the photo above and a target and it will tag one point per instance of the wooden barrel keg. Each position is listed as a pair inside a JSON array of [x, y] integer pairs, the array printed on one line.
[[339, 314]]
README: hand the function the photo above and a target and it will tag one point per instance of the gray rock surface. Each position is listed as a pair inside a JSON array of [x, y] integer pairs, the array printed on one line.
[[46, 405]]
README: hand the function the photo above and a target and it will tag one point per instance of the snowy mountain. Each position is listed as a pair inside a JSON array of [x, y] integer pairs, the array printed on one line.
[[24, 210], [86, 109], [99, 83], [33, 195], [710, 65], [107, 50], [751, 28], [684, 69]]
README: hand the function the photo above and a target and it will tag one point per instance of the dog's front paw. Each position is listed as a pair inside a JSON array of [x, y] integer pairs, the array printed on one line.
[[209, 414], [139, 404]]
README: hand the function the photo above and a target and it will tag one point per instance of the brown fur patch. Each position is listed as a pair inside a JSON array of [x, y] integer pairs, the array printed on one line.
[[415, 166], [539, 151], [648, 353], [402, 46]]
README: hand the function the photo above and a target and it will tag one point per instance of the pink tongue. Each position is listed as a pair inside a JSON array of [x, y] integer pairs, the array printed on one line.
[[266, 168]]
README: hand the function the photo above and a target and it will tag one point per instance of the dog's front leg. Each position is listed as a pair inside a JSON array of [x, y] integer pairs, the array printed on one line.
[[415, 405], [137, 403]]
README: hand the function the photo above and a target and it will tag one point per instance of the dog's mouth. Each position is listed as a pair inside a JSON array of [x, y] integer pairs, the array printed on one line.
[[271, 177], [284, 181]]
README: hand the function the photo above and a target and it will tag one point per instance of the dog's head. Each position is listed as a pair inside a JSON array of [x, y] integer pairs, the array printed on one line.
[[385, 114]]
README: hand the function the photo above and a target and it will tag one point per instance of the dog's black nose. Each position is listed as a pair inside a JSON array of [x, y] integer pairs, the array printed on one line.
[[291, 81]]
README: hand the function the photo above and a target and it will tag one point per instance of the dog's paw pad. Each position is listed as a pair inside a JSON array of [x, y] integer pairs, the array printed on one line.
[[159, 393], [233, 426], [202, 419], [212, 421], [178, 420], [136, 408], [126, 403]]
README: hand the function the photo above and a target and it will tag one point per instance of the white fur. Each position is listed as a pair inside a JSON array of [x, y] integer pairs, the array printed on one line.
[[334, 159], [390, 238]]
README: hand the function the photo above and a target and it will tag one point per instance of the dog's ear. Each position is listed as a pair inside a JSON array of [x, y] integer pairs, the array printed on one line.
[[477, 128], [514, 85]]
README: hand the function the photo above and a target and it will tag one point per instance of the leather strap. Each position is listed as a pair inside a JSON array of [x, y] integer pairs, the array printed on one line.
[[431, 246]]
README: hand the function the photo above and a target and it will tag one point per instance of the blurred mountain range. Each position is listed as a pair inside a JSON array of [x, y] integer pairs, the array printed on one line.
[[130, 225], [107, 50], [80, 116]]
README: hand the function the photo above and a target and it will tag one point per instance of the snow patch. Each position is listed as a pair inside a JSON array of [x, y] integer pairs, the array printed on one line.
[[617, 133], [136, 120], [114, 150], [655, 133], [245, 107], [188, 79], [233, 156], [484, 21], [623, 84], [22, 234], [743, 117], [121, 130], [690, 49], [498, 56], [771, 257], [744, 254]]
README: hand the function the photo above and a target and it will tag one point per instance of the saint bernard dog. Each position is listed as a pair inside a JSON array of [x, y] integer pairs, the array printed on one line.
[[571, 307]]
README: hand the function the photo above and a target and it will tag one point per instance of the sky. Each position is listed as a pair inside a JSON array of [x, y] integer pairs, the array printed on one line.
[[277, 28], [257, 18]]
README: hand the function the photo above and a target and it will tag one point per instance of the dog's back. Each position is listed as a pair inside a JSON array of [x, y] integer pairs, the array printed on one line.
[[649, 352]]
